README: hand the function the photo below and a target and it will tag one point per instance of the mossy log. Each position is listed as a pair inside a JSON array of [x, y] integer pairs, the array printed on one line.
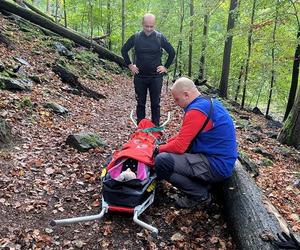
[[30, 6], [64, 32], [71, 79], [251, 217]]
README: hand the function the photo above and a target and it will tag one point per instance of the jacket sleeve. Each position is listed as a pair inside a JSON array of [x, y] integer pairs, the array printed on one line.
[[126, 47], [169, 49]]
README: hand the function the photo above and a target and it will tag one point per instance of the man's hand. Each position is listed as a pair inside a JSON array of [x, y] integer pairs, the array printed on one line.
[[161, 69], [287, 241], [133, 68]]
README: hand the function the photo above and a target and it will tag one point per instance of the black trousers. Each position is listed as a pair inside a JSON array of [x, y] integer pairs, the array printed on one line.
[[141, 86], [191, 173]]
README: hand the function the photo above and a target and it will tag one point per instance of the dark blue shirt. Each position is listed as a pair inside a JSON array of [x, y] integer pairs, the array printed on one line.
[[148, 52]]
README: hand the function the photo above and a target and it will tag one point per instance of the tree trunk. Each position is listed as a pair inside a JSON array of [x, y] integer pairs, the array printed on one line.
[[41, 21], [227, 50], [82, 20], [295, 74], [178, 57], [239, 83], [108, 29], [202, 69], [36, 10], [101, 15], [56, 10], [47, 6], [91, 19], [65, 13], [248, 55], [273, 60], [290, 133], [191, 38], [250, 216], [123, 22]]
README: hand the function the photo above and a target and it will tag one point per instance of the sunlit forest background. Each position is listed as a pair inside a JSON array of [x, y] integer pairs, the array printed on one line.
[[264, 38]]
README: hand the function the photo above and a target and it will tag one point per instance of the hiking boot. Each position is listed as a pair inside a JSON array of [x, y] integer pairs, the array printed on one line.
[[192, 202]]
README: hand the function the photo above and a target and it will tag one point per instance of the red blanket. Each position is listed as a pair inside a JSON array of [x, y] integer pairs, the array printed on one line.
[[140, 146]]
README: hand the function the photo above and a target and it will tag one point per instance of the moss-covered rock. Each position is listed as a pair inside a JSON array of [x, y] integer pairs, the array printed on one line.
[[15, 84], [85, 141], [56, 107], [87, 56], [63, 50]]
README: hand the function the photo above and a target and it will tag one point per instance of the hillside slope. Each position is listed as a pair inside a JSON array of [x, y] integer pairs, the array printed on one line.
[[42, 178]]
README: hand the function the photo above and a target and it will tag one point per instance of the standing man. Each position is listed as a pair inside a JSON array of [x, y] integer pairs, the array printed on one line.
[[203, 152], [148, 70]]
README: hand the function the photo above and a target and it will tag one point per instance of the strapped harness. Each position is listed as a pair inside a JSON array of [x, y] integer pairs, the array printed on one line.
[[136, 38], [204, 124]]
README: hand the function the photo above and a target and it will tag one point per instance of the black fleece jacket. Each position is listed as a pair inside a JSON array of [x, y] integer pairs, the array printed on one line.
[[148, 53]]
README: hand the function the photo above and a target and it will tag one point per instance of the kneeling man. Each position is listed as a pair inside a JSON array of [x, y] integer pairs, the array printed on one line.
[[203, 152]]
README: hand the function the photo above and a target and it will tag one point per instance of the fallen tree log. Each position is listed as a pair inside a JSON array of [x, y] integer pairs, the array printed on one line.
[[251, 217], [68, 77], [24, 4], [64, 32], [38, 11]]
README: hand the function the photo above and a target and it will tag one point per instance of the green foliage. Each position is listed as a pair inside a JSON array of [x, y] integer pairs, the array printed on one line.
[[26, 102], [92, 16]]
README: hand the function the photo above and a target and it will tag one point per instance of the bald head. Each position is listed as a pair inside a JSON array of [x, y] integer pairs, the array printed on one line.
[[184, 91], [147, 17], [183, 84], [148, 23]]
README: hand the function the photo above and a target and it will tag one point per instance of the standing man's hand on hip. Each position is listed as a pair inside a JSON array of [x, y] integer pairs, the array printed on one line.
[[133, 68], [161, 69]]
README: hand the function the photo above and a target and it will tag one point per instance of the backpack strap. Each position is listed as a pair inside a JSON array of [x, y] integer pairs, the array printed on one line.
[[136, 38], [211, 109], [158, 37]]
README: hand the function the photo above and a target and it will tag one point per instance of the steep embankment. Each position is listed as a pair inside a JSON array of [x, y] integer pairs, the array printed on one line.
[[42, 178]]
